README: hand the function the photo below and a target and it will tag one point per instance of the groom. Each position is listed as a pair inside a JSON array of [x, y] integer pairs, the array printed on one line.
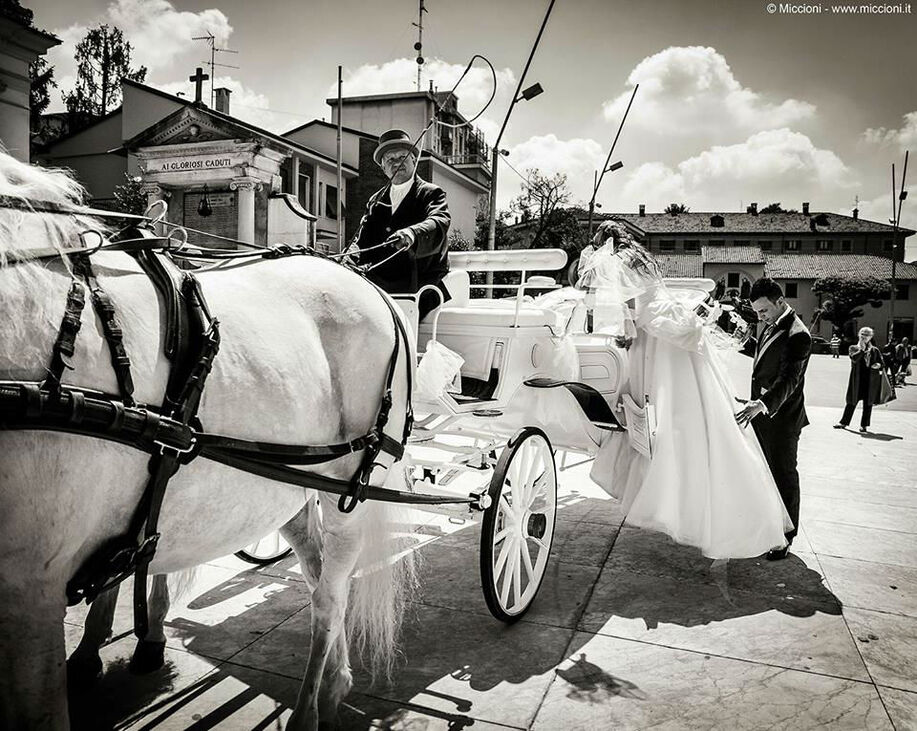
[[777, 411]]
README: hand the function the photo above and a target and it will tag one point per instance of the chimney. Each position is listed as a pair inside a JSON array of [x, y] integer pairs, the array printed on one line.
[[805, 208], [221, 99], [753, 209], [642, 210], [856, 213]]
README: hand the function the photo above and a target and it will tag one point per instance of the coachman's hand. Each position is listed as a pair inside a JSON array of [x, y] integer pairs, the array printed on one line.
[[402, 239]]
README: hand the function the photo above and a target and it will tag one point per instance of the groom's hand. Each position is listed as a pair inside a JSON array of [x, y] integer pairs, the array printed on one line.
[[751, 410]]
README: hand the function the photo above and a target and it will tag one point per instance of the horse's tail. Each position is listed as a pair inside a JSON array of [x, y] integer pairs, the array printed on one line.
[[386, 578]]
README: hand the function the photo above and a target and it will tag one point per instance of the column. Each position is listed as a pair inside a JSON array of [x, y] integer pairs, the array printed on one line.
[[155, 193], [246, 207]]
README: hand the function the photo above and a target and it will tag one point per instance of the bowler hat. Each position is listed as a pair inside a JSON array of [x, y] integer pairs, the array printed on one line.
[[391, 140]]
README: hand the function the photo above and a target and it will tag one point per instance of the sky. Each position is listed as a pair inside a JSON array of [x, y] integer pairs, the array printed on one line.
[[736, 104]]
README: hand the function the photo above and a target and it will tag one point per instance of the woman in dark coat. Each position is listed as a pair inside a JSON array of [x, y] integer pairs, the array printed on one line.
[[865, 381]]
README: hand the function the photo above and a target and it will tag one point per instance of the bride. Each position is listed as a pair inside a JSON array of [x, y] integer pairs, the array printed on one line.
[[707, 484]]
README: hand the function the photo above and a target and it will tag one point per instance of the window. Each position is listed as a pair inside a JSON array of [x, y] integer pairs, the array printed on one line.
[[716, 242], [732, 279], [716, 221], [902, 292], [791, 245], [692, 247], [766, 245], [791, 290], [331, 201], [304, 191], [846, 245], [824, 245], [667, 245], [888, 246]]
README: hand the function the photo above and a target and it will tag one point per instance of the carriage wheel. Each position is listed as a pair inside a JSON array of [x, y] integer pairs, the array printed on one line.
[[269, 549], [519, 524]]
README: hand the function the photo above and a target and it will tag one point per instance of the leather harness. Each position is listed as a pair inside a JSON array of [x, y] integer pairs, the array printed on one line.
[[171, 433]]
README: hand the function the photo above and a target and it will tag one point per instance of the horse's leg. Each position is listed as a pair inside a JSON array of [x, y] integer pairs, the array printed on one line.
[[84, 666], [33, 682], [337, 680], [329, 603], [304, 533], [149, 655]]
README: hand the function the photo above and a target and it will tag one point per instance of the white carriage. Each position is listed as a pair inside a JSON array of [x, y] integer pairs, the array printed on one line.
[[532, 383]]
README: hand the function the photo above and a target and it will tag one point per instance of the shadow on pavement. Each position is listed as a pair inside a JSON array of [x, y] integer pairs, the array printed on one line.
[[880, 437]]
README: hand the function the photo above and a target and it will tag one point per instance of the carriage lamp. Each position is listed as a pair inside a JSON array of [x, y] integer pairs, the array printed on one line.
[[204, 208]]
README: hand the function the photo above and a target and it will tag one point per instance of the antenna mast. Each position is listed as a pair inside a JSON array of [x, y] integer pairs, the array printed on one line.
[[419, 45], [211, 41]]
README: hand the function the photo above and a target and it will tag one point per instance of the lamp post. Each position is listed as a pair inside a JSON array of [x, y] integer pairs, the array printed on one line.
[[595, 190], [529, 93]]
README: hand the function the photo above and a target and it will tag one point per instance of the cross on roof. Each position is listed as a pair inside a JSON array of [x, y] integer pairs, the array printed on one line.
[[199, 78]]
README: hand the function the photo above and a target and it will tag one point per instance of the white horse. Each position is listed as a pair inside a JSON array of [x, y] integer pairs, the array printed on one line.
[[304, 354]]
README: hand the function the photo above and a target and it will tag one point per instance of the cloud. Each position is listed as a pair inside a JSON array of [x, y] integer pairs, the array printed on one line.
[[691, 91], [776, 165], [576, 158], [401, 75], [157, 32], [904, 138], [244, 103]]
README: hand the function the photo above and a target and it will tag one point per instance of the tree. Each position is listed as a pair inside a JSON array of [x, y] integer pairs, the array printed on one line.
[[675, 208], [103, 59], [777, 208], [129, 196], [541, 199], [844, 297], [41, 77]]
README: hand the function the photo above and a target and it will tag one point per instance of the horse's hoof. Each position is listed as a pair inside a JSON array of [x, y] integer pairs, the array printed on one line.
[[148, 657], [83, 673]]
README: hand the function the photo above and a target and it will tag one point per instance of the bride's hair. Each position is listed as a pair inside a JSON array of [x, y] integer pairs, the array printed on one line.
[[623, 241]]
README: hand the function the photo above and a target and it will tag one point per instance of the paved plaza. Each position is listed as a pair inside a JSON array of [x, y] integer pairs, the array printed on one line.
[[629, 630]]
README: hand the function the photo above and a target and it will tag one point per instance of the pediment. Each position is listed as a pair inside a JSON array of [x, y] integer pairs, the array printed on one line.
[[187, 125]]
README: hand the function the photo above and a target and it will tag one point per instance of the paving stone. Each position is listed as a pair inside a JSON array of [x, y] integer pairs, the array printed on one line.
[[866, 585], [888, 643], [901, 707], [612, 683], [775, 627], [865, 544], [855, 512]]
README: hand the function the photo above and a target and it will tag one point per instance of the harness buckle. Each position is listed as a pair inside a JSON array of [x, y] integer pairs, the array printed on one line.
[[174, 451]]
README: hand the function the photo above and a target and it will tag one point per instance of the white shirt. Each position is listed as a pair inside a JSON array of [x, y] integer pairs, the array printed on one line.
[[398, 191]]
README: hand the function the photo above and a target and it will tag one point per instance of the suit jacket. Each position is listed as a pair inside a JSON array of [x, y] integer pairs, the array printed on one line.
[[778, 376], [424, 211], [860, 360]]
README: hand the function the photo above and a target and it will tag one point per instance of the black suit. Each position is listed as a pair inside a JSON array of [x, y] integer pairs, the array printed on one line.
[[424, 211], [777, 379]]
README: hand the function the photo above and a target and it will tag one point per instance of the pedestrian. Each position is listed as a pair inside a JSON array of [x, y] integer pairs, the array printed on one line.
[[889, 356], [903, 359], [865, 382], [835, 345]]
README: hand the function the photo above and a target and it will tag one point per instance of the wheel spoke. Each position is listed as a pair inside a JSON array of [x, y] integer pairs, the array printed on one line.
[[517, 577], [507, 579], [527, 560], [508, 511], [500, 535], [505, 551]]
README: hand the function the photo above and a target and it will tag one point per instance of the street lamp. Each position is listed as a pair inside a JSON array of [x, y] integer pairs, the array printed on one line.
[[595, 191], [529, 93]]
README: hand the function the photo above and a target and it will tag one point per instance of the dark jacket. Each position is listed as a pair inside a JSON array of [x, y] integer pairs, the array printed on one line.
[[860, 360], [425, 212], [778, 376]]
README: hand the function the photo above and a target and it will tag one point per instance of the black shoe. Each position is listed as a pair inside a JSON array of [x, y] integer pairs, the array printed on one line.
[[840, 426], [777, 554], [863, 430]]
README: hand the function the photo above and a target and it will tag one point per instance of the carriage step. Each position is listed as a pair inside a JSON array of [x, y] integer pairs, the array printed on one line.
[[593, 404]]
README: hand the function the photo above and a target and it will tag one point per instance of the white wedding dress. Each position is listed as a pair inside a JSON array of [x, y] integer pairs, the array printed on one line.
[[707, 484]]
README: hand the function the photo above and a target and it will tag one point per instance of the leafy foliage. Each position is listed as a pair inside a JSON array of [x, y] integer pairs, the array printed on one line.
[[103, 59], [542, 197], [129, 197], [777, 208], [843, 298], [41, 76], [674, 208]]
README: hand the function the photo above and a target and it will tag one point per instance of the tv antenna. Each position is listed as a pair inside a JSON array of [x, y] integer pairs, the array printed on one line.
[[419, 45], [212, 63]]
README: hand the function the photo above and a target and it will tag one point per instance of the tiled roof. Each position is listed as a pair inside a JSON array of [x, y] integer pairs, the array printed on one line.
[[680, 265], [763, 223], [733, 254], [815, 266]]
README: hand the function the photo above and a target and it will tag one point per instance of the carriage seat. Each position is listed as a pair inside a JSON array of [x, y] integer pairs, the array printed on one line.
[[495, 313]]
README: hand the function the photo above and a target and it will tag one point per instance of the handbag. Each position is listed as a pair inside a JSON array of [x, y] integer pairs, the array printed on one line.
[[886, 390]]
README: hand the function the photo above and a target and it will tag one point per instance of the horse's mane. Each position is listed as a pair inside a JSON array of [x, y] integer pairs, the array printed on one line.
[[29, 186]]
